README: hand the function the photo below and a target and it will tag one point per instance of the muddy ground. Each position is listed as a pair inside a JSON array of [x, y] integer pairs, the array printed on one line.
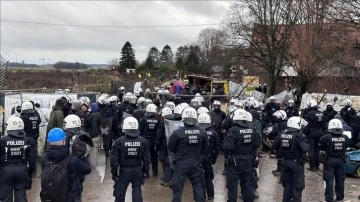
[[269, 188]]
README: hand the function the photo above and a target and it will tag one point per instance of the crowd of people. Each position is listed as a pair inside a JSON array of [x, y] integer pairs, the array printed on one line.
[[184, 134]]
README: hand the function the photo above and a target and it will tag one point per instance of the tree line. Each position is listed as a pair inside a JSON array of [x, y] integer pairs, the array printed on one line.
[[272, 38]]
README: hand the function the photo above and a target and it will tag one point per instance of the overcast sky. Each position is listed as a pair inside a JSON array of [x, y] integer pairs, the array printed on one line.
[[98, 45]]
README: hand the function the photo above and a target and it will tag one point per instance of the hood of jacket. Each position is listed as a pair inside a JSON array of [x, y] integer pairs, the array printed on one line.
[[94, 107], [57, 153]]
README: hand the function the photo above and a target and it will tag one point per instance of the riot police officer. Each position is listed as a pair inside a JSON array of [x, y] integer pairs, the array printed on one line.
[[148, 126], [329, 113], [291, 109], [347, 112], [292, 146], [240, 143], [188, 143], [271, 108], [130, 153], [117, 117], [313, 131], [334, 143], [17, 163], [31, 120], [208, 160]]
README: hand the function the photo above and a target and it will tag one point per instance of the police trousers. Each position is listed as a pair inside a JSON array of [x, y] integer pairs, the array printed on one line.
[[13, 180], [314, 152], [189, 168], [334, 169], [133, 175], [242, 171], [209, 176], [293, 180]]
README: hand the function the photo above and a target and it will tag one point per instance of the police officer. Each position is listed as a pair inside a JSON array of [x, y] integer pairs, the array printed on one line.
[[130, 153], [334, 143], [313, 131], [31, 120], [131, 107], [106, 118], [291, 109], [329, 113], [208, 160], [148, 127], [240, 143], [271, 108], [141, 105], [17, 163], [292, 146], [188, 143], [347, 112], [225, 126], [117, 117], [279, 126], [161, 146]]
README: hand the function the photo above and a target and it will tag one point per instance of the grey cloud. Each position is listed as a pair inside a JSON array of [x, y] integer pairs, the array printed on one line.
[[105, 43]]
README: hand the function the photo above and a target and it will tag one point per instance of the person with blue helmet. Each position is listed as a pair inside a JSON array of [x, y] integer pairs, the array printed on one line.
[[77, 165]]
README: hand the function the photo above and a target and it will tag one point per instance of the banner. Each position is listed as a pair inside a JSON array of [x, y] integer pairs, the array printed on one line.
[[335, 99], [170, 126]]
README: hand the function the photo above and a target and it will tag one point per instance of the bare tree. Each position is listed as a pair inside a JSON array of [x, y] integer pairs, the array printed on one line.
[[210, 41], [261, 30], [319, 46]]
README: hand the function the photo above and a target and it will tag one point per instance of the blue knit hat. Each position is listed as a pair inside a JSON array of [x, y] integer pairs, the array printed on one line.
[[56, 135]]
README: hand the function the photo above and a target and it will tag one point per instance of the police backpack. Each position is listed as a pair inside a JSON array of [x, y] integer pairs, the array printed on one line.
[[54, 181]]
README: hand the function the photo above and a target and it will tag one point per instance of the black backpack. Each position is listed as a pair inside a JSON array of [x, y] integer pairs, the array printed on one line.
[[54, 181]]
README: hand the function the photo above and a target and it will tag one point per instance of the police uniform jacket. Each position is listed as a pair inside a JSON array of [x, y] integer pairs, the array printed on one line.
[[334, 145], [292, 145], [241, 143], [130, 152], [16, 149], [188, 142], [31, 123]]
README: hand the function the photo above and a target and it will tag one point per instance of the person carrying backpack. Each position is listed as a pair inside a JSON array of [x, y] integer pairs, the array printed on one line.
[[59, 182]]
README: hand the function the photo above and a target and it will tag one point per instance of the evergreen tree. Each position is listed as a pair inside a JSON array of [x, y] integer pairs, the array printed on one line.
[[149, 63], [127, 59], [180, 57], [167, 55], [192, 61], [154, 54]]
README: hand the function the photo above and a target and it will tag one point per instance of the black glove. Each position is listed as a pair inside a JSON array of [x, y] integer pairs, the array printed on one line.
[[28, 184], [115, 178]]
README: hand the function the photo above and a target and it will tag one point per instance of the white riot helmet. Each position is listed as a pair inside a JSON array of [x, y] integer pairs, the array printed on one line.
[[122, 88], [216, 105], [72, 121], [290, 103], [156, 89], [335, 126], [101, 99], [272, 98], [232, 101], [239, 104], [231, 110], [184, 104], [166, 112], [294, 122], [167, 91], [204, 120], [140, 100], [313, 103], [195, 103], [113, 98], [169, 104], [130, 127], [14, 123], [178, 111], [280, 114], [151, 110], [189, 116], [347, 103], [132, 99], [26, 106], [202, 110], [240, 117], [250, 117], [139, 90], [148, 101]]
